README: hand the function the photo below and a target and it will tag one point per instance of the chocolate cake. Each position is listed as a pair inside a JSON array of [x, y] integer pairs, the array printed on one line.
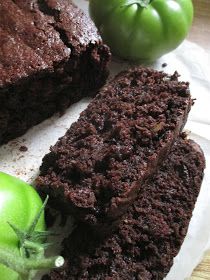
[[151, 232], [51, 55], [95, 171]]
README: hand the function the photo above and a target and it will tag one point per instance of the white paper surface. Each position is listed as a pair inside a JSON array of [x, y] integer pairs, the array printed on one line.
[[192, 62]]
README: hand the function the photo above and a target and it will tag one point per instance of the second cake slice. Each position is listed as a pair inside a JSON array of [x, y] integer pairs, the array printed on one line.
[[151, 232], [96, 170]]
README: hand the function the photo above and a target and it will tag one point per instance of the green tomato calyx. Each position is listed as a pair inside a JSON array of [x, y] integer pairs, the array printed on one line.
[[32, 247], [141, 3], [27, 267]]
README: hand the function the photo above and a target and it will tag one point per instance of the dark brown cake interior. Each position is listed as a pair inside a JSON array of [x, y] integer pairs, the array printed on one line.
[[51, 56], [150, 234], [95, 171]]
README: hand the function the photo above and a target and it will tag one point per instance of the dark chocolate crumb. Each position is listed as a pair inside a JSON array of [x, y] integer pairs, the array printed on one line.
[[23, 149], [123, 130], [150, 234]]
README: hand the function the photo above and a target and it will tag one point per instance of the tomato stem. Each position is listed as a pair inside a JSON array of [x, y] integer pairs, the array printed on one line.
[[36, 219], [24, 266], [31, 257], [141, 3]]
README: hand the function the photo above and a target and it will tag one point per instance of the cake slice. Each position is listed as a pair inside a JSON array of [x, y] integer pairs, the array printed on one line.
[[51, 55], [151, 232], [96, 170]]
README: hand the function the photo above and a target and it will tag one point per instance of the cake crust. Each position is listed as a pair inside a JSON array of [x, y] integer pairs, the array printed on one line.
[[51, 56]]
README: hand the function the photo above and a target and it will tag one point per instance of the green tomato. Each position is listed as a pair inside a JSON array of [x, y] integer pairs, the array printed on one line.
[[142, 29], [19, 204]]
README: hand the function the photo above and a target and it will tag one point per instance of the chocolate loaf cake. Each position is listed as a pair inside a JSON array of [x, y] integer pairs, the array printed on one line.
[[150, 234], [51, 55], [95, 171]]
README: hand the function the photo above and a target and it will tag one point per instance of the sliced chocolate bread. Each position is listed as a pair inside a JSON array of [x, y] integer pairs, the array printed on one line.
[[96, 170], [51, 55], [150, 234]]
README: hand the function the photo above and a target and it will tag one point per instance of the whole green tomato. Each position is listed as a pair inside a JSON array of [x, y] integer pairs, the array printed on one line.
[[142, 29], [19, 204]]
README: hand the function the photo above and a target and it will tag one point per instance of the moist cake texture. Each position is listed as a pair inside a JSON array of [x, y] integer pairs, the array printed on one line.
[[150, 234], [51, 55], [95, 171]]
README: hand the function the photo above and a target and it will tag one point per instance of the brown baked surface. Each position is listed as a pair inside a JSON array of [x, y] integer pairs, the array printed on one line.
[[51, 56]]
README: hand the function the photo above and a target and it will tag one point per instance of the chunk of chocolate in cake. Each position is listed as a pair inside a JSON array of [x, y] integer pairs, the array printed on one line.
[[96, 170], [51, 55], [151, 232]]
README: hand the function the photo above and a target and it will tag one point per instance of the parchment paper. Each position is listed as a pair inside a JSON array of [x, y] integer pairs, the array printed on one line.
[[192, 62]]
